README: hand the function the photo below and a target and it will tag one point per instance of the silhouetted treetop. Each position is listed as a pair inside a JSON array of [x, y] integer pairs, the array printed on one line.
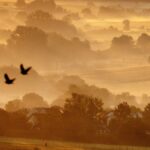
[[123, 42]]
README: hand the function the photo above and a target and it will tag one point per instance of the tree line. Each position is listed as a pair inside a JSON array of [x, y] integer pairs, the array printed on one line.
[[81, 119]]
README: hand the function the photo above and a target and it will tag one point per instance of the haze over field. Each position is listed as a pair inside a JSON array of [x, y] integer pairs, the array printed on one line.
[[103, 43], [75, 71]]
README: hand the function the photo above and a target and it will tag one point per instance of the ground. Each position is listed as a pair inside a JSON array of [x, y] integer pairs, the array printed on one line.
[[24, 144]]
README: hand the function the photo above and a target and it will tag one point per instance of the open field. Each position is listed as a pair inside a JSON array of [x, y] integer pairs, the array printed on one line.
[[24, 144]]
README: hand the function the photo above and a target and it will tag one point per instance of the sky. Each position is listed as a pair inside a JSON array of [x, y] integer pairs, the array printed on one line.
[[74, 38]]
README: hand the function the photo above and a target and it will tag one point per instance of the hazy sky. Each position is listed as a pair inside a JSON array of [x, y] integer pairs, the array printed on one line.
[[76, 21]]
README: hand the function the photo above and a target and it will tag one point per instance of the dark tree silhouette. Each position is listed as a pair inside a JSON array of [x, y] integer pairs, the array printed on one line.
[[143, 43], [80, 117], [123, 43]]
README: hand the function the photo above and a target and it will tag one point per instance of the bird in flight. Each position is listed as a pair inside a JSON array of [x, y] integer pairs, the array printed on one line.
[[8, 80], [24, 71]]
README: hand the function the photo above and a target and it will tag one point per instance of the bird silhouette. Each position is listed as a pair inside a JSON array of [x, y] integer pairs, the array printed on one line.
[[8, 80], [24, 71]]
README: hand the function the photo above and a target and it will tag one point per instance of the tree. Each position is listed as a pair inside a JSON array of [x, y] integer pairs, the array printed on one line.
[[30, 100], [127, 121], [83, 105], [126, 24], [33, 100], [123, 43], [119, 117], [87, 12], [4, 121], [19, 122], [80, 117], [146, 116], [50, 122], [126, 96], [143, 43], [13, 105], [122, 111]]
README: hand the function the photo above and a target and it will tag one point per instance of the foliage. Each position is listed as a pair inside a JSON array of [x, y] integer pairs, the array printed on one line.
[[82, 119]]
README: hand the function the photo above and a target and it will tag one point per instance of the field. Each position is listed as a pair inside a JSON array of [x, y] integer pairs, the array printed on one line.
[[24, 144]]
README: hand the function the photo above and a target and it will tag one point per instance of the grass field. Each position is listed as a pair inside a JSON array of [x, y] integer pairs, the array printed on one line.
[[24, 144]]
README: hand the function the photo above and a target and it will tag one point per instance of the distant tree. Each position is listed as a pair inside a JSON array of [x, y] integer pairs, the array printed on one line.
[[55, 112], [127, 121], [123, 111], [13, 105], [126, 96], [4, 122], [50, 122], [33, 100], [143, 42], [145, 99], [123, 43], [80, 117], [87, 12], [83, 105], [19, 122], [146, 116], [126, 24], [30, 100], [120, 116]]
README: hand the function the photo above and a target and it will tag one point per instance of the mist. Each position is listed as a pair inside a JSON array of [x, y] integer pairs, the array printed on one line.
[[87, 47]]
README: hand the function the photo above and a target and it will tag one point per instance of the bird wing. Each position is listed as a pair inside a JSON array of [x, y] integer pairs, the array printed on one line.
[[13, 79], [6, 76], [21, 67], [29, 68]]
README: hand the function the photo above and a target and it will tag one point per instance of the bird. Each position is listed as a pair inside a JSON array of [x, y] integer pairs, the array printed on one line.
[[24, 71], [8, 80]]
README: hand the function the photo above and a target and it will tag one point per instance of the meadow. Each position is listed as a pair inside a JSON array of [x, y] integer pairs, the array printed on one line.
[[32, 144]]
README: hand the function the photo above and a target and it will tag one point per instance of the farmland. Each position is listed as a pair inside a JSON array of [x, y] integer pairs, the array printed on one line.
[[28, 144]]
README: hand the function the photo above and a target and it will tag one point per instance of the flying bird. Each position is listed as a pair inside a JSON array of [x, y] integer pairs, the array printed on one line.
[[24, 71], [8, 80]]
